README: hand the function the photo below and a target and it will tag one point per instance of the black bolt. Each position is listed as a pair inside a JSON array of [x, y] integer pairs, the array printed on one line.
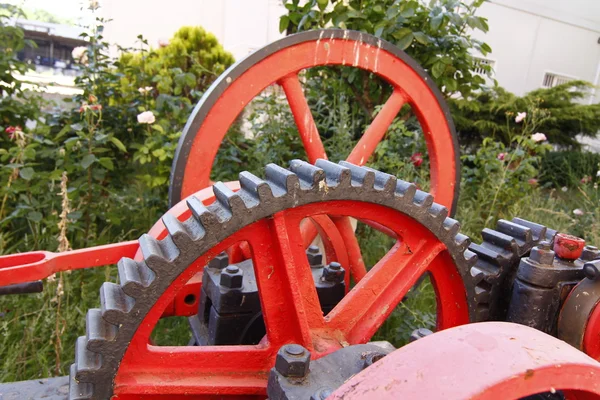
[[322, 394], [591, 270], [590, 253], [334, 272], [372, 358], [419, 334], [544, 245], [292, 361], [315, 258], [232, 277], [542, 253], [220, 261]]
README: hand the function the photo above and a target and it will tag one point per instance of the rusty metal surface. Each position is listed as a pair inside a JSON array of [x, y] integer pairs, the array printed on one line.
[[38, 389], [491, 360]]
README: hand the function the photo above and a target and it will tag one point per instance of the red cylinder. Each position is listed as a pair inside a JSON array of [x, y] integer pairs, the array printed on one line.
[[568, 247]]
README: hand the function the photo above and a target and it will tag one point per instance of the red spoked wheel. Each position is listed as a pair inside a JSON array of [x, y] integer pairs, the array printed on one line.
[[280, 63], [490, 360], [267, 216]]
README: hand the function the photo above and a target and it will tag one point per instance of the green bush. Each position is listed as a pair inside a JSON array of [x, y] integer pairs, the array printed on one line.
[[569, 168]]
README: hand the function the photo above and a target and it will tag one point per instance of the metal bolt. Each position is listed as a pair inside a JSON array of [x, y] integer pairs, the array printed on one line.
[[232, 277], [419, 334], [315, 258], [542, 253], [590, 253], [322, 394], [591, 270], [334, 272], [220, 261], [372, 358], [292, 361]]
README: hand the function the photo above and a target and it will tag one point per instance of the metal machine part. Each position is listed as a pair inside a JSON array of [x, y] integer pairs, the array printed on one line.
[[113, 356]]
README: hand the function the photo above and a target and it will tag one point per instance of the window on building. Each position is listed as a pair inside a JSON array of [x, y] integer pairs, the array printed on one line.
[[551, 79], [481, 64]]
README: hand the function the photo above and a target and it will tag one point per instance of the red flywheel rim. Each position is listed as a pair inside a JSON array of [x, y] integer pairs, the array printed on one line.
[[280, 62]]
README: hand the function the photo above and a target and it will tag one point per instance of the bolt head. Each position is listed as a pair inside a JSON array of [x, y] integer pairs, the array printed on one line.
[[590, 253], [419, 334], [232, 277], [220, 261], [334, 272], [293, 361], [592, 270], [541, 255], [315, 258]]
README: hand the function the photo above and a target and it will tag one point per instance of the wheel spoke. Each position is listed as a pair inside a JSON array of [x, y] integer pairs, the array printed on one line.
[[303, 117], [364, 309], [356, 264], [288, 296], [376, 131]]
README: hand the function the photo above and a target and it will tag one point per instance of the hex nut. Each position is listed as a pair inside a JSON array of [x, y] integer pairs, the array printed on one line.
[[334, 272], [293, 361], [419, 334], [542, 254], [315, 258], [590, 253], [232, 277], [220, 261]]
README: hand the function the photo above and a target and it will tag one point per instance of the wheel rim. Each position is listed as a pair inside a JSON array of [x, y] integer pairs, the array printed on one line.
[[280, 63]]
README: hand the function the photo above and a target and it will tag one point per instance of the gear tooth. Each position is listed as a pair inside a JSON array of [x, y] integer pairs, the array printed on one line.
[[254, 190], [79, 390], [384, 182], [485, 253], [158, 254], [451, 226], [87, 362], [470, 257], [499, 239], [281, 180], [228, 198], [423, 199], [439, 212], [115, 304], [462, 241], [208, 220], [310, 176], [522, 235], [538, 232], [360, 176], [134, 276], [406, 190], [99, 332], [335, 174], [477, 274], [482, 295], [182, 233]]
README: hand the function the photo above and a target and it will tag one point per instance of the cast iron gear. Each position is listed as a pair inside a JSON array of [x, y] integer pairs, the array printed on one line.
[[110, 328], [498, 258]]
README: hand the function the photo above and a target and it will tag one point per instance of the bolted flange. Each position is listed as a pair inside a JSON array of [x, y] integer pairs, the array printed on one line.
[[334, 272], [292, 361], [232, 277]]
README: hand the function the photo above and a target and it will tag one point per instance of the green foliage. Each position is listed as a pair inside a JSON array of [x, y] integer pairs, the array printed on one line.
[[569, 168], [565, 115]]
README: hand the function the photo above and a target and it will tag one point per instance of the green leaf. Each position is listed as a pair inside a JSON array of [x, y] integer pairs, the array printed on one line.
[[378, 9], [421, 38], [284, 21], [118, 143], [34, 216], [62, 132], [26, 173], [436, 21], [438, 69], [88, 160], [106, 163], [451, 85], [322, 4], [405, 41]]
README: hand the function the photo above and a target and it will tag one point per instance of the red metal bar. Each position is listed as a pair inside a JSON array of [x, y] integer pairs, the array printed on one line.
[[356, 264], [303, 117], [491, 361], [591, 338], [36, 265], [376, 131]]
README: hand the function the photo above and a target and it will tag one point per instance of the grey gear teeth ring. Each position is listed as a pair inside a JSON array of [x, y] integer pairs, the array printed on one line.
[[110, 328]]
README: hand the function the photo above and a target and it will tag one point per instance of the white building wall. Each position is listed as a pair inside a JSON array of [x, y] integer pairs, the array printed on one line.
[[532, 37]]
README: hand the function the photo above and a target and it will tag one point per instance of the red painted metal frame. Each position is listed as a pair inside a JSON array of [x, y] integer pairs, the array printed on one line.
[[591, 338], [284, 65], [491, 361], [290, 305]]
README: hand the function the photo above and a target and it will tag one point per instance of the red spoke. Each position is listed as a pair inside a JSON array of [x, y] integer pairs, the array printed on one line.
[[364, 309], [288, 296], [303, 117], [376, 131], [356, 264]]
